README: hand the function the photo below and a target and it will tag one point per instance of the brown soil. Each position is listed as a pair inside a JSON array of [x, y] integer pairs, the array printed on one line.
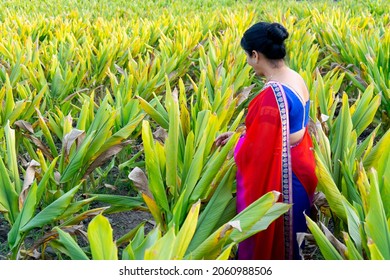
[[123, 222], [4, 229]]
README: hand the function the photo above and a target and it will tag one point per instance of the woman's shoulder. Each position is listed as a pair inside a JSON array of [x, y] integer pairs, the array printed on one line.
[[298, 84]]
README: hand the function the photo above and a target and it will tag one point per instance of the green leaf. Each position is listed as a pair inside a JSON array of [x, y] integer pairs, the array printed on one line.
[[120, 203], [365, 110], [76, 162], [139, 237], [8, 195], [186, 233], [101, 239], [327, 249], [226, 253], [245, 224], [195, 169], [327, 185], [365, 146], [140, 251], [12, 157], [172, 142], [100, 135], [46, 178], [212, 169], [162, 249], [379, 150], [76, 219], [375, 253], [9, 105], [277, 210], [340, 138], [188, 185], [25, 215], [121, 135], [354, 224], [155, 115], [73, 250], [376, 223], [211, 248], [188, 156], [52, 212], [237, 121], [156, 184], [352, 252], [213, 211], [47, 134], [384, 183], [19, 109], [130, 235]]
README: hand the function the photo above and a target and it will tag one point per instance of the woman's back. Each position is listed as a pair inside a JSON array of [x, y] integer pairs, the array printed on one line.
[[298, 100]]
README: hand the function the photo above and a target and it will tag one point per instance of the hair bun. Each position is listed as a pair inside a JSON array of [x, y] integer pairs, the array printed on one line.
[[277, 33]]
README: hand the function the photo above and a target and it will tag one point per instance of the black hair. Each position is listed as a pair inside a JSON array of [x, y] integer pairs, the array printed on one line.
[[267, 38]]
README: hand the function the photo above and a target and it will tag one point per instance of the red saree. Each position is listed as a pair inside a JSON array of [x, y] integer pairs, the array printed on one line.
[[265, 162]]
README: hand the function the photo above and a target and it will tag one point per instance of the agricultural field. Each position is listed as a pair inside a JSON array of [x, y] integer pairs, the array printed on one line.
[[109, 111]]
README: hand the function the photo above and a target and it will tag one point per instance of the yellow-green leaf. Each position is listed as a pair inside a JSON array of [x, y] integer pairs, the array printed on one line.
[[101, 239]]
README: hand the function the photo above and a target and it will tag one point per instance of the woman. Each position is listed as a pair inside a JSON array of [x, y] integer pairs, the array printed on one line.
[[275, 153]]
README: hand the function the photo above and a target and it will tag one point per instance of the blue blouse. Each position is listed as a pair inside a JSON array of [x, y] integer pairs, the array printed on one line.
[[298, 109]]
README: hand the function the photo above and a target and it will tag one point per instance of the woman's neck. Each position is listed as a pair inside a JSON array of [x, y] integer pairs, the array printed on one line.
[[275, 73]]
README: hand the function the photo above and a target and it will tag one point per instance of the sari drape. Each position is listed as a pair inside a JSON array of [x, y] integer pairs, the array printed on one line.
[[266, 162]]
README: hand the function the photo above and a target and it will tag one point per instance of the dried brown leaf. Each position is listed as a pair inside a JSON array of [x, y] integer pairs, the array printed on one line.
[[307, 245], [85, 215], [40, 146], [70, 96], [172, 75], [53, 234], [111, 187], [103, 157], [160, 134], [320, 200], [57, 177], [225, 230], [28, 180], [200, 44], [243, 95], [70, 138], [3, 209], [24, 126], [119, 69], [236, 225], [335, 242], [219, 70], [138, 177], [23, 161], [175, 94], [31, 254]]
